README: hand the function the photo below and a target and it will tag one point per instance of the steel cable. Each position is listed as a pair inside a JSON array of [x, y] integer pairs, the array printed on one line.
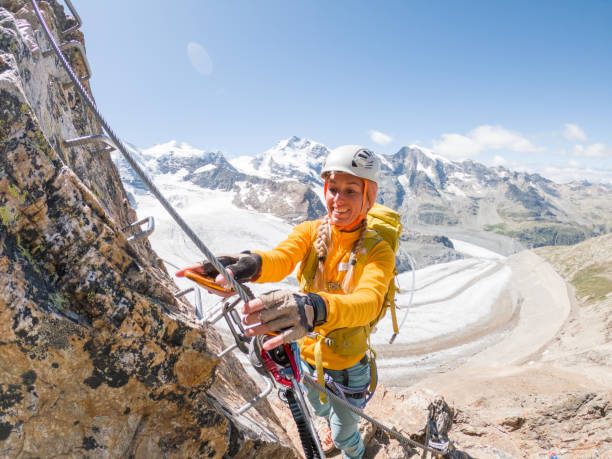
[[135, 166], [309, 381], [183, 225]]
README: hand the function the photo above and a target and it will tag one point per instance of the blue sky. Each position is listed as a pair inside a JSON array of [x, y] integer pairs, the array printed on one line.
[[520, 83]]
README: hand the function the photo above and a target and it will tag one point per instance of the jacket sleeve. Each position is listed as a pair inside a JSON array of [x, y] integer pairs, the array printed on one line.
[[364, 303], [279, 262]]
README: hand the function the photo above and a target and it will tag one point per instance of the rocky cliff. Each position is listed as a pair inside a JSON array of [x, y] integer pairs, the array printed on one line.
[[97, 356]]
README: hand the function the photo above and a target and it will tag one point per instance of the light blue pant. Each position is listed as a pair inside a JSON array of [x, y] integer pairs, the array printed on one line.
[[343, 422]]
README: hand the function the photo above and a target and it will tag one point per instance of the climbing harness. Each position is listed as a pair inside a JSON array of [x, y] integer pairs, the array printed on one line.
[[280, 365], [343, 391]]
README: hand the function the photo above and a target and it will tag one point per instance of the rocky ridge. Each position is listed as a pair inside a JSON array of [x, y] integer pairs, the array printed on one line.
[[97, 356], [500, 209], [428, 190]]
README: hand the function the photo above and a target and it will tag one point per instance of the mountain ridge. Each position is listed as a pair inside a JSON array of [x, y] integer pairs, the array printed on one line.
[[427, 189]]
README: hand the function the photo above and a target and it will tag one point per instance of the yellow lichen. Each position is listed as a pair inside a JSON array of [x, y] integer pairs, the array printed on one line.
[[27, 255], [58, 300], [14, 192], [5, 216]]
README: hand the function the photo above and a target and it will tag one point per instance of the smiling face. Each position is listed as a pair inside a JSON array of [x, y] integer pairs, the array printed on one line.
[[344, 198]]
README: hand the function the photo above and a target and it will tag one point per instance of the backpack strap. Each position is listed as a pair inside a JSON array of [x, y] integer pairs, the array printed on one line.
[[319, 366], [390, 298], [308, 267]]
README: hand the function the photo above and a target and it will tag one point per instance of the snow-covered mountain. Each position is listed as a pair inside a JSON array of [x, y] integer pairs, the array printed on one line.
[[290, 159], [267, 183], [428, 190]]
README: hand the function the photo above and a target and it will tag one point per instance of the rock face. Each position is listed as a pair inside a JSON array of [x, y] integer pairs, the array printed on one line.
[[425, 250], [97, 356]]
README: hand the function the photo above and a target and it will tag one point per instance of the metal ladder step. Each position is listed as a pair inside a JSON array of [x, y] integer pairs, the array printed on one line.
[[198, 300], [73, 44], [94, 138], [144, 233], [76, 16]]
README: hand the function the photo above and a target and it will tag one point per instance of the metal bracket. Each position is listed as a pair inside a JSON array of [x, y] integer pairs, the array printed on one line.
[[79, 47], [94, 138], [227, 310], [257, 398], [198, 304], [198, 300], [149, 229], [76, 16], [184, 292]]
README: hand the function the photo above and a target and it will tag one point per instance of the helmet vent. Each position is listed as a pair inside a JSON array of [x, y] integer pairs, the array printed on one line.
[[363, 158]]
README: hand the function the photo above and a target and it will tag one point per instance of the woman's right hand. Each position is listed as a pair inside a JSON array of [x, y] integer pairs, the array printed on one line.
[[244, 267]]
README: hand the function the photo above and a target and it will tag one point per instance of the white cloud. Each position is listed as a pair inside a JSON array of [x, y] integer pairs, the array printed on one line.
[[574, 133], [499, 161], [199, 58], [456, 146], [576, 174], [481, 139], [572, 171], [497, 138], [379, 137], [596, 150]]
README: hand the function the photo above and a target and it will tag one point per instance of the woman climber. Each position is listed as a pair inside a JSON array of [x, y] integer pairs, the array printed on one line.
[[343, 280]]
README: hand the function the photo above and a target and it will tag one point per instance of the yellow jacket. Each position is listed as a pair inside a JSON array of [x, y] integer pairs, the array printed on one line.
[[343, 310]]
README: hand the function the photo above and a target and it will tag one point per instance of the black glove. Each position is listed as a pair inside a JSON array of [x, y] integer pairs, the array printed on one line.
[[246, 266], [293, 315]]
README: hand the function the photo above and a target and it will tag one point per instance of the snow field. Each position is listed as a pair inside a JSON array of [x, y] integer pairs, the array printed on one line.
[[448, 298]]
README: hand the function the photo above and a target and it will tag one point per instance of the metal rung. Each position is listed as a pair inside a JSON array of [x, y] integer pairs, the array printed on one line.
[[184, 292], [198, 300], [76, 16], [259, 397], [198, 304], [226, 310], [227, 350], [106, 149], [79, 47], [94, 138], [150, 228]]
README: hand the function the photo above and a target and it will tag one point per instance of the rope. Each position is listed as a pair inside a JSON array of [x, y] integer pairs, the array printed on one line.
[[135, 166], [310, 382], [412, 289]]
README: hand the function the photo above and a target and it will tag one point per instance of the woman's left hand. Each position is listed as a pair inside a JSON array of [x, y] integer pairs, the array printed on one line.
[[290, 314]]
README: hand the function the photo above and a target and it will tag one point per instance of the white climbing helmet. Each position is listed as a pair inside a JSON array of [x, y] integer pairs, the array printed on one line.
[[354, 160]]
